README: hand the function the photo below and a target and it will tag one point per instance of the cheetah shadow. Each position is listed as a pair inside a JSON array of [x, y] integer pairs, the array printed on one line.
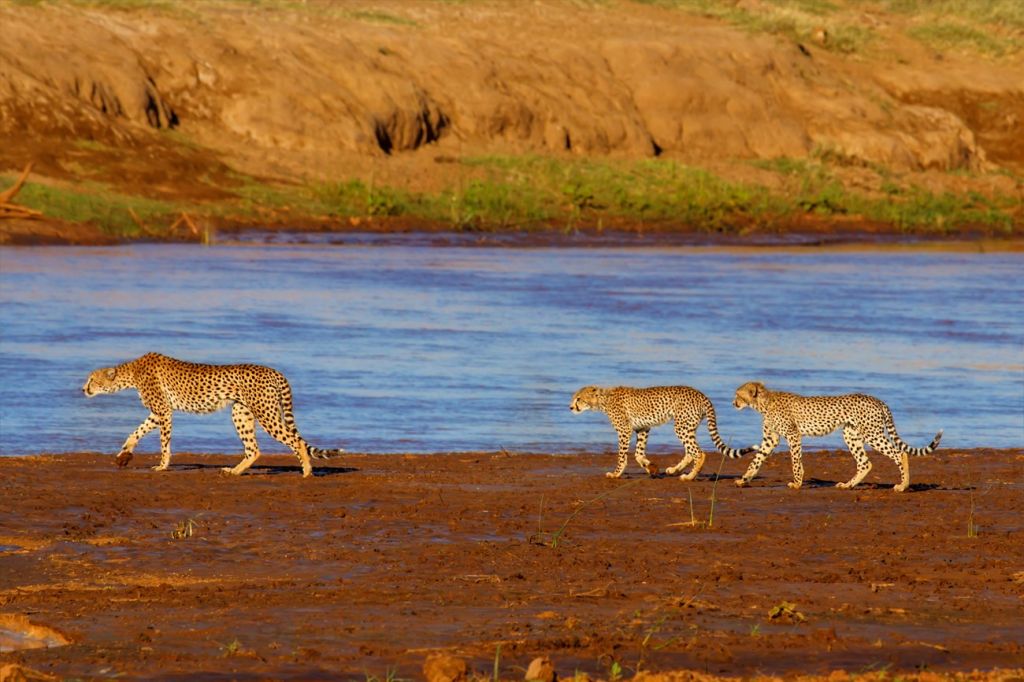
[[268, 469], [873, 485]]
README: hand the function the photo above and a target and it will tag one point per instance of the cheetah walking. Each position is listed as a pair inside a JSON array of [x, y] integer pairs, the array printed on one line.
[[640, 409], [255, 393], [862, 418]]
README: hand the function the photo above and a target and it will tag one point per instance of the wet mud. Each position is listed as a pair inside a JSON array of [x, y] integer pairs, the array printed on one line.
[[381, 560]]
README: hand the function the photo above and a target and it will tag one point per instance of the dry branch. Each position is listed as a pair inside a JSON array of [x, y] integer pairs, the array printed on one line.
[[185, 220], [9, 209], [12, 191], [138, 221], [15, 211]]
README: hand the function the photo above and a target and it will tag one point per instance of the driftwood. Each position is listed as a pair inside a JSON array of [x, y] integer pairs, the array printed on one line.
[[9, 209], [185, 220]]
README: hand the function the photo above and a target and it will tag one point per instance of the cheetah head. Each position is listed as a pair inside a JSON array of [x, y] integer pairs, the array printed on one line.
[[750, 394], [106, 380], [587, 398]]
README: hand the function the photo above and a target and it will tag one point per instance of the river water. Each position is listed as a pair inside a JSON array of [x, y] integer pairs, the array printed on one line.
[[411, 348]]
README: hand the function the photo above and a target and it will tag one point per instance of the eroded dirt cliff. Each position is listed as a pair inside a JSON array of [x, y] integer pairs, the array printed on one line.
[[173, 101]]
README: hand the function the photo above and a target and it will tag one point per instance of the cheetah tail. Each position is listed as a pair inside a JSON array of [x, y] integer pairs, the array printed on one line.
[[732, 453], [890, 426], [320, 453]]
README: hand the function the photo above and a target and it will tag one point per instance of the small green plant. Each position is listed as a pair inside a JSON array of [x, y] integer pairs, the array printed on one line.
[[755, 630], [714, 493], [786, 610], [972, 528], [615, 672], [232, 648], [390, 675], [649, 633], [497, 663], [959, 36], [185, 529], [93, 202], [552, 542]]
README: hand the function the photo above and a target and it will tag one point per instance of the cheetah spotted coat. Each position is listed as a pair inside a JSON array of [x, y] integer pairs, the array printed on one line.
[[862, 418], [640, 409], [255, 393]]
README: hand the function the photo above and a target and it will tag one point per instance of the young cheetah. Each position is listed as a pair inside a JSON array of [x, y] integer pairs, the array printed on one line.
[[862, 418], [255, 393], [640, 409]]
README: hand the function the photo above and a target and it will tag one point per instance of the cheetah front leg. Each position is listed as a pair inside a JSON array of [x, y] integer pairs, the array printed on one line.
[[640, 454], [856, 445], [128, 449], [796, 458], [164, 421], [624, 437], [768, 443]]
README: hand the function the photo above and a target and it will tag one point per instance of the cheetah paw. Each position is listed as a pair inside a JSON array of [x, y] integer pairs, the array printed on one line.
[[740, 483], [899, 488], [159, 467], [228, 470], [611, 474], [794, 485], [843, 486], [123, 458]]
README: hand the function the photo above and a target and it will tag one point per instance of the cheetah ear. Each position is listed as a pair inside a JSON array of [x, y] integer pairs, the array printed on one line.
[[760, 393], [111, 372]]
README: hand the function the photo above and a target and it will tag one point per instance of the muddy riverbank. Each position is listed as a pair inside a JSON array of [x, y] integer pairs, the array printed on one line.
[[380, 560]]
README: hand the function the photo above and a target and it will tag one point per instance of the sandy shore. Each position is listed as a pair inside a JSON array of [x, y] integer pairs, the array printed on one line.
[[380, 560]]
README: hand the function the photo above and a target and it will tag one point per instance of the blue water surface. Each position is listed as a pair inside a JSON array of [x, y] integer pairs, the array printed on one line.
[[433, 349]]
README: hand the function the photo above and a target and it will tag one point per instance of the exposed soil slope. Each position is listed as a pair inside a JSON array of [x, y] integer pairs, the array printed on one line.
[[165, 101], [381, 560]]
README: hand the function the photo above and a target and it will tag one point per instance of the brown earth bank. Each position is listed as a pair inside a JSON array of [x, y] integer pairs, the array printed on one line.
[[196, 105], [380, 561]]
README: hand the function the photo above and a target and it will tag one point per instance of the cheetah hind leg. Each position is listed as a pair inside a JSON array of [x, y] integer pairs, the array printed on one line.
[[245, 424], [698, 458], [687, 454], [881, 443], [856, 445], [796, 458], [683, 463], [165, 424], [288, 435]]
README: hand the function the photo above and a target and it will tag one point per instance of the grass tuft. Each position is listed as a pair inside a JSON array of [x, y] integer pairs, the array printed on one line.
[[95, 203], [796, 20]]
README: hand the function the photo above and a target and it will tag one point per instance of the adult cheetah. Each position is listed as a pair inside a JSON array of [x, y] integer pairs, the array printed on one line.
[[861, 417], [640, 409], [255, 393]]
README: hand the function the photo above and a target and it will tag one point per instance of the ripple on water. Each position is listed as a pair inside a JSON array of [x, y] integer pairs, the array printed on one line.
[[434, 349]]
